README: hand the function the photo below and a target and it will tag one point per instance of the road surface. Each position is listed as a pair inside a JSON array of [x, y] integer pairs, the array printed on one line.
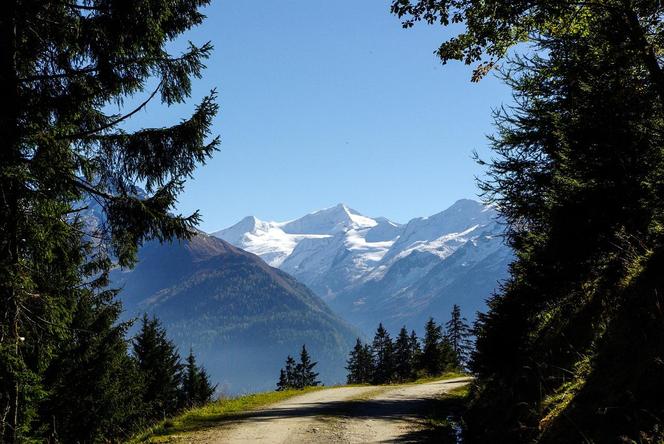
[[335, 415]]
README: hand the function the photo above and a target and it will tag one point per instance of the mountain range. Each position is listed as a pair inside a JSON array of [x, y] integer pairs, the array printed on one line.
[[372, 269]]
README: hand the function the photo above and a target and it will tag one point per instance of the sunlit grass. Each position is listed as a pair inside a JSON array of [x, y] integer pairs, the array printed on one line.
[[211, 414], [444, 376]]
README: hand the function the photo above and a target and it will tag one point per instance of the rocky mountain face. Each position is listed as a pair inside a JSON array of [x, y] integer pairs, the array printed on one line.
[[241, 316], [374, 270]]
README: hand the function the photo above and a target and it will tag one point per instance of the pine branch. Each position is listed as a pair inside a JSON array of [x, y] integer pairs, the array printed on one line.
[[121, 119]]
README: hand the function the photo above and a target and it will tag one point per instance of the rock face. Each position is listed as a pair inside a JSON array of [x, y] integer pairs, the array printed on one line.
[[241, 316], [372, 269]]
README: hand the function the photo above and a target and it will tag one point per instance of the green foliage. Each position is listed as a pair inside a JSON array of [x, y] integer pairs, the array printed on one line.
[[360, 364], [386, 361], [570, 350], [298, 375], [458, 333], [405, 355], [196, 387], [160, 369], [383, 356], [61, 65]]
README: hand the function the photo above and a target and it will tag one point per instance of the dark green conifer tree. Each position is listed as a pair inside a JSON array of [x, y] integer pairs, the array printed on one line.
[[66, 71], [457, 333], [578, 176], [403, 356], [93, 374], [196, 388], [415, 350], [291, 372], [431, 360], [383, 356], [160, 369], [282, 384], [360, 364], [304, 371]]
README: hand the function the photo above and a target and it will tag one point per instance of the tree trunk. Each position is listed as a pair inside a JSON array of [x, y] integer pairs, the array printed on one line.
[[9, 189]]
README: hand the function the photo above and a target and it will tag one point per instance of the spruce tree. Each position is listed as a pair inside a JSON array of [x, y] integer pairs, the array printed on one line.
[[160, 369], [403, 356], [432, 360], [282, 384], [415, 350], [360, 364], [457, 332], [383, 356], [94, 374], [68, 74], [291, 372], [305, 375], [196, 388], [289, 377], [577, 176]]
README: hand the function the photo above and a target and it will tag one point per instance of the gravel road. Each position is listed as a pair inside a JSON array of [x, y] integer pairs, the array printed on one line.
[[336, 415]]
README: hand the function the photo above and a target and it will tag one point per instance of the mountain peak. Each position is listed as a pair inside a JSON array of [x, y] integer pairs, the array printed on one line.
[[338, 218]]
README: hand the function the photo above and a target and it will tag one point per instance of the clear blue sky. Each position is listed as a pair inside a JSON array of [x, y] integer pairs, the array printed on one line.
[[326, 102]]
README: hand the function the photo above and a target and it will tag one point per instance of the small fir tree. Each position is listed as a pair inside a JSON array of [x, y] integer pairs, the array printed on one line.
[[458, 333], [383, 356], [431, 351], [282, 384], [196, 387], [305, 375], [360, 364], [416, 350], [160, 368], [403, 356]]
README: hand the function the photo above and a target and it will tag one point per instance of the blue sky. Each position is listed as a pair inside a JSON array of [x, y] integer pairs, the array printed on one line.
[[326, 102]]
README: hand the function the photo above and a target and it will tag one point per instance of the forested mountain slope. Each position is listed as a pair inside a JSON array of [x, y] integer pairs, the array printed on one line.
[[241, 316]]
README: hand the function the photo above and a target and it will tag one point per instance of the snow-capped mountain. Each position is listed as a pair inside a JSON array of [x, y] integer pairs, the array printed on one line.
[[373, 269]]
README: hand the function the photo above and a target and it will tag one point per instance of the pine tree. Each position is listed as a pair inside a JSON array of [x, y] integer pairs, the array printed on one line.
[[403, 356], [383, 356], [94, 374], [61, 65], [196, 388], [432, 361], [457, 332], [291, 372], [282, 384], [305, 376], [415, 350], [360, 364], [160, 368], [289, 376]]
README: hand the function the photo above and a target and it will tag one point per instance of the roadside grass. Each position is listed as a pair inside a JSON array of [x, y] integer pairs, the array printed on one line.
[[444, 422], [209, 415], [444, 376]]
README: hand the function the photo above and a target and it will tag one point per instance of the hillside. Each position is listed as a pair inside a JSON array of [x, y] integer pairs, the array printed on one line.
[[241, 316]]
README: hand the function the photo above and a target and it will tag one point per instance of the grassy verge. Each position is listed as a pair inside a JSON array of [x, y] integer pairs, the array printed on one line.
[[447, 375], [209, 415], [444, 420]]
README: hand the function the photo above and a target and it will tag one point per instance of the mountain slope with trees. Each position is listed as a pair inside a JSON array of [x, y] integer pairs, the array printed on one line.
[[239, 315]]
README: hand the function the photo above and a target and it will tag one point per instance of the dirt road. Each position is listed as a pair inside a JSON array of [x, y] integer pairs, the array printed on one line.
[[336, 415]]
